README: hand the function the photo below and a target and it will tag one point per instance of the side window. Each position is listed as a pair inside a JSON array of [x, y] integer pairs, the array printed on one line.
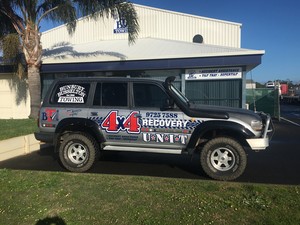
[[73, 93], [114, 94], [148, 95]]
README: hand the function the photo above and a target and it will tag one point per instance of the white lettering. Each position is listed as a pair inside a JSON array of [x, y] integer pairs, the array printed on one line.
[[145, 123], [159, 138], [151, 122], [172, 138], [185, 124], [174, 124], [71, 100], [165, 138], [169, 123], [164, 123], [183, 139], [146, 137]]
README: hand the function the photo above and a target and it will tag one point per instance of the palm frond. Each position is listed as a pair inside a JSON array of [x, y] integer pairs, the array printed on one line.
[[113, 8], [61, 11], [128, 12]]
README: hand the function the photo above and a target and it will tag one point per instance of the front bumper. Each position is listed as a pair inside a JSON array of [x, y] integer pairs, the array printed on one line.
[[257, 144], [262, 143]]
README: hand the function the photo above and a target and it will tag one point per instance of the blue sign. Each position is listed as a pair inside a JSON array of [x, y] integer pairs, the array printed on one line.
[[120, 26]]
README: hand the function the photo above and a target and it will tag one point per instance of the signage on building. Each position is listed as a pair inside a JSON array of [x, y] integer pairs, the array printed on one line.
[[213, 73], [120, 26]]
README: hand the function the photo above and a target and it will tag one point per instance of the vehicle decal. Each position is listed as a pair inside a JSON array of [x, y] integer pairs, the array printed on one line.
[[71, 94], [97, 119], [165, 138], [73, 112], [122, 137], [161, 115], [113, 123], [134, 124], [170, 123], [50, 115], [164, 123]]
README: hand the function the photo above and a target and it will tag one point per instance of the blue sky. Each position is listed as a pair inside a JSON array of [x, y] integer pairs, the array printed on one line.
[[270, 25]]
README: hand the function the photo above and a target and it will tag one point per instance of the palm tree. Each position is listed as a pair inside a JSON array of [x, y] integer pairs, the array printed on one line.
[[23, 17]]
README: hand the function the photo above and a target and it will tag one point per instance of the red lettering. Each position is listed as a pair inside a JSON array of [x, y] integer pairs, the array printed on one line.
[[110, 122], [114, 123], [132, 123]]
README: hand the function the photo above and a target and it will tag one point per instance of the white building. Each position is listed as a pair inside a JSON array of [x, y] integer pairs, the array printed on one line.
[[14, 94], [204, 54]]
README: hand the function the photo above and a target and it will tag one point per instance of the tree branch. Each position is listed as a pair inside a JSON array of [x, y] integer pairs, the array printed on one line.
[[45, 14]]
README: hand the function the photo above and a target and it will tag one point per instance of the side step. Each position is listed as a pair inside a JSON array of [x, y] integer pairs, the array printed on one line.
[[142, 149]]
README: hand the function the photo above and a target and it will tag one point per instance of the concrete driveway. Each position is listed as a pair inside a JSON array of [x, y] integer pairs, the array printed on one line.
[[279, 164]]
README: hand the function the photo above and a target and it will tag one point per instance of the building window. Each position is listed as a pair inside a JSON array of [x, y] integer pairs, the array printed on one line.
[[215, 92]]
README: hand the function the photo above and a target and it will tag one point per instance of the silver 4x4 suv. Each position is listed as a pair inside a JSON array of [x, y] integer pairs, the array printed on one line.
[[84, 116]]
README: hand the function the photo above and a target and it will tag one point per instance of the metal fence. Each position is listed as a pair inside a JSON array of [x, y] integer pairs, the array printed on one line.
[[264, 99]]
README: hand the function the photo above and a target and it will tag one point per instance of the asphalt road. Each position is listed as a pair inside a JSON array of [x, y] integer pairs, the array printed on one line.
[[279, 164]]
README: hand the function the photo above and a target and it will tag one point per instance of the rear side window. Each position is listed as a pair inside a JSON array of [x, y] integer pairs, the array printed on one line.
[[114, 94], [71, 93]]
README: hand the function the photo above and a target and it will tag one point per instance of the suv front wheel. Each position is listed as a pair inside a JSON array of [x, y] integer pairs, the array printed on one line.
[[223, 158], [78, 152]]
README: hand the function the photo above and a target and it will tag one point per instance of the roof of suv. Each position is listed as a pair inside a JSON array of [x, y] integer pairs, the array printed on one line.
[[115, 79]]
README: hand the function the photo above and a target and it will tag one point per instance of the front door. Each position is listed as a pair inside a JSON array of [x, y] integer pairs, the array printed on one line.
[[159, 128]]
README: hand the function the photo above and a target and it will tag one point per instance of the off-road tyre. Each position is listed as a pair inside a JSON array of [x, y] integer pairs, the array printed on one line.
[[78, 152], [223, 158]]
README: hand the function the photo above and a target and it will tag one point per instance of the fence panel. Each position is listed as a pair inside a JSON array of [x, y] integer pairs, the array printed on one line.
[[264, 99]]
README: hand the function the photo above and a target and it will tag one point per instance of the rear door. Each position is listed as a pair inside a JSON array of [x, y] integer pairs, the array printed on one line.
[[111, 111]]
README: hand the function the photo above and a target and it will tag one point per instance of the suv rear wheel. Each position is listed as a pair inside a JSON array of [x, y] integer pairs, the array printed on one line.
[[78, 152], [223, 158]]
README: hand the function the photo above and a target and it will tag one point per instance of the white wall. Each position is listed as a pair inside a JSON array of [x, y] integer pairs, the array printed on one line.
[[15, 101], [18, 146], [154, 23]]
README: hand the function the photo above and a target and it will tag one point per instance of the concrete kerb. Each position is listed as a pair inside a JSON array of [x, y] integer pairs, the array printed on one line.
[[18, 146]]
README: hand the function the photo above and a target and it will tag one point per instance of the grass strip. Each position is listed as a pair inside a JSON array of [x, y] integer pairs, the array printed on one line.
[[16, 127], [33, 197]]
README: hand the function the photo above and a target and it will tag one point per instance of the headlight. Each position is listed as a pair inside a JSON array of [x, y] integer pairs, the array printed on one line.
[[256, 125]]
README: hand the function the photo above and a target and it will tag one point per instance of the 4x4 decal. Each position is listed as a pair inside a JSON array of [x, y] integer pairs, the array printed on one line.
[[113, 123]]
